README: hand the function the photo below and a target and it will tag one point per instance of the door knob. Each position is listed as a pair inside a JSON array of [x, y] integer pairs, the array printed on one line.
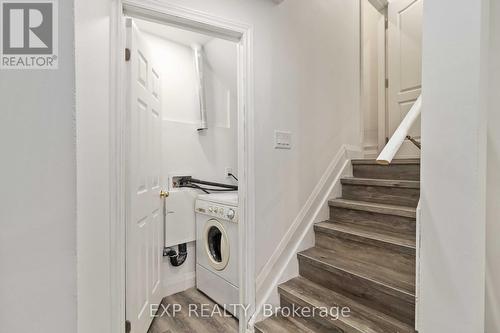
[[164, 194]]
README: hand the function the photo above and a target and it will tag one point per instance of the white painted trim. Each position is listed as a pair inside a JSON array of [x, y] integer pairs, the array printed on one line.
[[327, 187], [418, 273], [361, 97], [246, 172], [186, 18], [183, 122], [194, 123], [381, 73], [117, 170], [382, 76], [204, 23]]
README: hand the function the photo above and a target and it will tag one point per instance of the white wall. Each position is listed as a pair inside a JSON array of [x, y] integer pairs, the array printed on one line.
[[93, 125], [221, 74], [199, 154], [453, 167], [492, 324], [306, 64], [185, 150], [370, 17], [38, 193]]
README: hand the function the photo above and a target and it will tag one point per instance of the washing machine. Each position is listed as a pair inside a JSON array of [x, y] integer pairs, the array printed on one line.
[[217, 248]]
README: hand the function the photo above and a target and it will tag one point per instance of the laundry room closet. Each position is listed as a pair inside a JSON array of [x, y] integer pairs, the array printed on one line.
[[188, 81]]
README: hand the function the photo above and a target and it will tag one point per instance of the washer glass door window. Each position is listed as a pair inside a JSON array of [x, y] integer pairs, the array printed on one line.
[[216, 244]]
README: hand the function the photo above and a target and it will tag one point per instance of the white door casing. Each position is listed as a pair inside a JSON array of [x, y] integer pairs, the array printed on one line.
[[120, 137], [144, 225], [404, 67]]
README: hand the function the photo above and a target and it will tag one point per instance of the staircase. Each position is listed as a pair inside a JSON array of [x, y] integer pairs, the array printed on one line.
[[364, 257]]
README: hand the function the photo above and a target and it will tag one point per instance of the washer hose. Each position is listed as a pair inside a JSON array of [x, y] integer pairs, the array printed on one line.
[[177, 259]]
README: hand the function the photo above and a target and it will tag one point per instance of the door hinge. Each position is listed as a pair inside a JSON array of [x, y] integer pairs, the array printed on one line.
[[127, 54], [386, 140], [128, 326], [386, 24], [387, 83]]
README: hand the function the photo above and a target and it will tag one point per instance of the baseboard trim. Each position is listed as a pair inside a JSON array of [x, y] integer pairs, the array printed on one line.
[[418, 275], [327, 187]]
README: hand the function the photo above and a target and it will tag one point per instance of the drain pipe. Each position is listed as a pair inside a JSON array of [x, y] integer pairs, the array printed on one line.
[[176, 258], [198, 63]]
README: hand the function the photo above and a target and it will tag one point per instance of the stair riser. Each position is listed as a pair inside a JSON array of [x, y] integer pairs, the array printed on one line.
[[383, 254], [315, 323], [258, 329], [320, 324], [376, 221], [382, 194], [394, 171], [379, 297]]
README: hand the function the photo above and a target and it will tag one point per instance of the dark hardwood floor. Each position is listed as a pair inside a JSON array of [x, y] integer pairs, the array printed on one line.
[[191, 311]]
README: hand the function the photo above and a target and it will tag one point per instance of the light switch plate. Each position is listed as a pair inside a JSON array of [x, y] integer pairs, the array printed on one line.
[[282, 140]]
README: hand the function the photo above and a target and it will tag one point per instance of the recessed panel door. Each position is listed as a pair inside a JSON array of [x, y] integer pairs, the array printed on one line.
[[144, 222], [404, 66]]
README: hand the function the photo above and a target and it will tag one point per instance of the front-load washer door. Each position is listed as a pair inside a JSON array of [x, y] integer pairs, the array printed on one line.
[[216, 245]]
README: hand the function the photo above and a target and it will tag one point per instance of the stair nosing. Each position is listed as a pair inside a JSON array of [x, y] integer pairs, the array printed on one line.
[[275, 316], [329, 226], [409, 161], [404, 211], [379, 182], [357, 274], [284, 288]]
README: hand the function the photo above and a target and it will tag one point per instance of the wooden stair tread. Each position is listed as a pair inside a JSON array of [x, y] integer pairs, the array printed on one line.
[[279, 324], [401, 240], [415, 184], [396, 280], [364, 257], [374, 207], [361, 318], [395, 161]]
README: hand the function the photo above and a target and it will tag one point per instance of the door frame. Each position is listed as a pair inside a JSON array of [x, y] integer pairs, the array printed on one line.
[[219, 27], [381, 7]]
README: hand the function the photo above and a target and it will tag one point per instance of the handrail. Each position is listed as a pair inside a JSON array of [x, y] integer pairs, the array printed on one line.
[[399, 136]]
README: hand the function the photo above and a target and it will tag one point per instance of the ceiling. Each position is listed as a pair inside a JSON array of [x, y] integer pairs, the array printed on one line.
[[177, 35]]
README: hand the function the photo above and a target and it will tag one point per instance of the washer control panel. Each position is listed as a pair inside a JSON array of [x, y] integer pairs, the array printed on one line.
[[217, 210]]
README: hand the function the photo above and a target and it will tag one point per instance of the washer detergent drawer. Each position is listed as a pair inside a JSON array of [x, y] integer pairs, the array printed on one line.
[[218, 289]]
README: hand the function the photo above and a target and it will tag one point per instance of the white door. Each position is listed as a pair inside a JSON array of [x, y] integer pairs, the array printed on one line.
[[404, 66], [144, 225]]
